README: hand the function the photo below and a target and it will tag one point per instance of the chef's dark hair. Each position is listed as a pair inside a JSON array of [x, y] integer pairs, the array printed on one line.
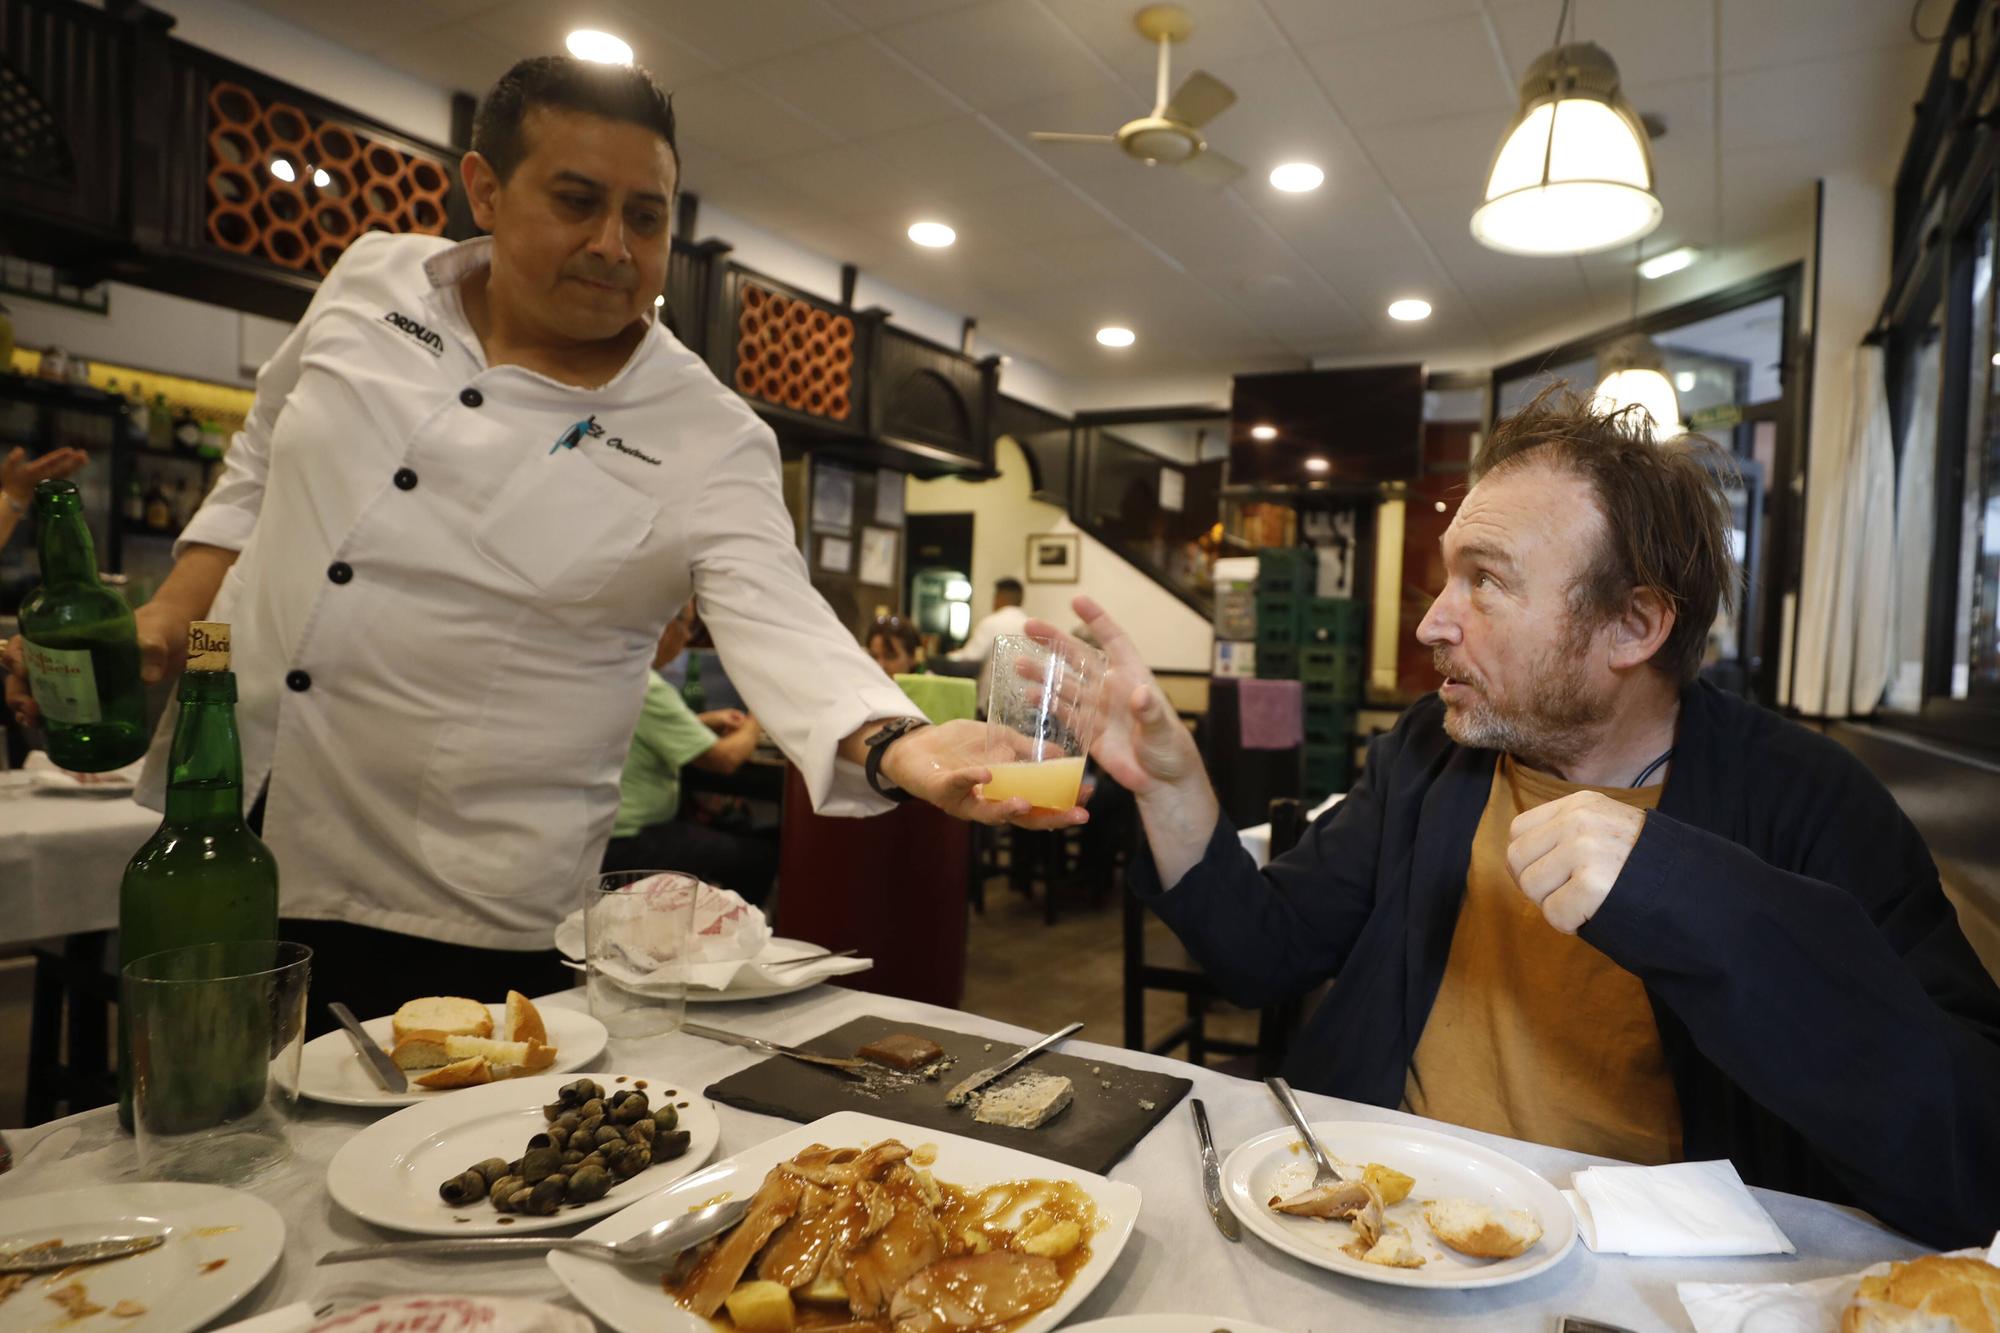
[[616, 92]]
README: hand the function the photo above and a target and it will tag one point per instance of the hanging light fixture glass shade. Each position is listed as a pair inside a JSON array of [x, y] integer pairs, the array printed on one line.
[[1631, 373], [1574, 174]]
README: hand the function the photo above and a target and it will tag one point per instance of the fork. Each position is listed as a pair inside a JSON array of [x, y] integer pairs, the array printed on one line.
[[1328, 1173]]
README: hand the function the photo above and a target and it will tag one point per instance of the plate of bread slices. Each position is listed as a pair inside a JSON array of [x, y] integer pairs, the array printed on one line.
[[1413, 1207], [445, 1042]]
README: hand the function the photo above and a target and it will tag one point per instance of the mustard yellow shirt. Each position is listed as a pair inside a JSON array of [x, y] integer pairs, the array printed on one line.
[[1535, 1034]]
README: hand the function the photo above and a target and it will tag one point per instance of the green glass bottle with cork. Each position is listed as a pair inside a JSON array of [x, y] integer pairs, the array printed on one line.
[[80, 645], [203, 877]]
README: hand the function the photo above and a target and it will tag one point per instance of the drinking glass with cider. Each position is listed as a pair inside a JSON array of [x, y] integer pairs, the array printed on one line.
[[1042, 710]]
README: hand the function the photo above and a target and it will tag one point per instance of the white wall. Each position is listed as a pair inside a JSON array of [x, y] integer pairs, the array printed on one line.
[[1170, 636], [252, 37], [154, 331]]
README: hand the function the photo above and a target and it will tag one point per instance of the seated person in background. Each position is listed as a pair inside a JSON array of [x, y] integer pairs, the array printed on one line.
[[892, 642], [1007, 617], [1581, 898], [648, 835]]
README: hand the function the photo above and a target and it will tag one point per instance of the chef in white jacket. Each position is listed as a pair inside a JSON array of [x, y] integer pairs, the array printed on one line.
[[477, 480]]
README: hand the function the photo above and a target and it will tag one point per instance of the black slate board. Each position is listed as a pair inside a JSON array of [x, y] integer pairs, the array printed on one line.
[[1100, 1126]]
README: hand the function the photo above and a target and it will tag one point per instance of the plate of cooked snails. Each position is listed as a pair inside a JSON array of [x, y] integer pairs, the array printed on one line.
[[527, 1154]]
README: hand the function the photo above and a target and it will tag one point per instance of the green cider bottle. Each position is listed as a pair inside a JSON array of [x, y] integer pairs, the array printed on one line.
[[81, 646], [692, 694], [203, 877]]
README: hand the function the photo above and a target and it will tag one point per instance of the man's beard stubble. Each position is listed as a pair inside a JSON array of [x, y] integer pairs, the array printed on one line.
[[1548, 730]]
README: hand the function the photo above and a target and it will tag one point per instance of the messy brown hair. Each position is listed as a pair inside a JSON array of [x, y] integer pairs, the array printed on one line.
[[1666, 517]]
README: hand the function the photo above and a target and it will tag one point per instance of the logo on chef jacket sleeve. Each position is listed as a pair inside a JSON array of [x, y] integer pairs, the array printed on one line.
[[588, 429], [427, 338]]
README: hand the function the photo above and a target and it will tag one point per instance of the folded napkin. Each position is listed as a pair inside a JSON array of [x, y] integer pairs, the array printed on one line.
[[1687, 1209], [1271, 714], [758, 971], [1783, 1307]]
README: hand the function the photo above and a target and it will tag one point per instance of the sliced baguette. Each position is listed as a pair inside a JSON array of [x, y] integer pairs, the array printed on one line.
[[524, 1021], [1935, 1292], [1475, 1229], [420, 1050], [506, 1057], [445, 1015], [464, 1073]]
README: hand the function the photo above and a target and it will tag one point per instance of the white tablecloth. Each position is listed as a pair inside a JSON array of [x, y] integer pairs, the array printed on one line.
[[1176, 1262], [1256, 839], [61, 858]]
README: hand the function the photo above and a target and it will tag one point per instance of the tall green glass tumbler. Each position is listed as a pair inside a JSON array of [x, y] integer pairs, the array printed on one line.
[[81, 646], [203, 877]]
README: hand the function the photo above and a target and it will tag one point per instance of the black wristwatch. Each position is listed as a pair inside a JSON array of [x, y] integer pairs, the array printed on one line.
[[878, 745]]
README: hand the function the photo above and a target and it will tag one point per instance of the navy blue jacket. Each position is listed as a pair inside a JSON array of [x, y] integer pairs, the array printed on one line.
[[1827, 1027]]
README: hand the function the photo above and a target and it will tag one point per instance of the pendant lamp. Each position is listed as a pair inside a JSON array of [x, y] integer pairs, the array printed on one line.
[[1574, 174], [1631, 374]]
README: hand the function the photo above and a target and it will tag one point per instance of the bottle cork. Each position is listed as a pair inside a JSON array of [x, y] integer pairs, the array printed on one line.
[[208, 646]]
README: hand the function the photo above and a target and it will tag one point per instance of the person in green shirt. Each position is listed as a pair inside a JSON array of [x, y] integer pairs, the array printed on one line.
[[649, 834]]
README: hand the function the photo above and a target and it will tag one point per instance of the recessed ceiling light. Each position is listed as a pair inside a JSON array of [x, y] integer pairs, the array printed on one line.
[[320, 178], [1113, 336], [283, 169], [601, 47], [1684, 381], [1317, 465], [1265, 432], [1673, 261], [1441, 506], [660, 300], [1296, 177], [1410, 309], [934, 235]]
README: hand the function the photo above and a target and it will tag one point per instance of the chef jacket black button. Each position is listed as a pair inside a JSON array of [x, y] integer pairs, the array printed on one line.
[[299, 680], [406, 480], [471, 397], [340, 571]]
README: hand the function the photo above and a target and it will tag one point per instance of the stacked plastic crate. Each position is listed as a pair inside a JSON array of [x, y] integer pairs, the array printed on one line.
[[1319, 642]]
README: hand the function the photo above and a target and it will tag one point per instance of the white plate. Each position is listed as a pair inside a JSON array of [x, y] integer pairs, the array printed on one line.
[[630, 1299], [389, 1173], [1171, 1323], [1444, 1167], [220, 1244], [569, 939], [331, 1070]]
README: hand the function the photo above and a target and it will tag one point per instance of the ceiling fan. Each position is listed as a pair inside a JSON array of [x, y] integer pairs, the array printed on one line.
[[1171, 134]]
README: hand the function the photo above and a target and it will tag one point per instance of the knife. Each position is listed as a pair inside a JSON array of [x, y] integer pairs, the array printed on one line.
[[40, 1260], [846, 1065], [1211, 1175], [958, 1095], [379, 1064]]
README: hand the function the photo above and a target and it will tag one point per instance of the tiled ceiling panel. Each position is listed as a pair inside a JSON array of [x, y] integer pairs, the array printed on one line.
[[835, 123]]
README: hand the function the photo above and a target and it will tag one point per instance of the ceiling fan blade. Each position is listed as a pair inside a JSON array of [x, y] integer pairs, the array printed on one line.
[[1212, 168], [1058, 136], [1201, 98]]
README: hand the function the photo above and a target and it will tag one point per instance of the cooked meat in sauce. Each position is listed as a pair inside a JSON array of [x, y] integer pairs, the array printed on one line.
[[865, 1242]]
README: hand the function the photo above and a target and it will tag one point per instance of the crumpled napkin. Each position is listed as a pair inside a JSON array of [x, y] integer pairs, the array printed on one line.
[[43, 775], [1686, 1209], [1784, 1307], [732, 947]]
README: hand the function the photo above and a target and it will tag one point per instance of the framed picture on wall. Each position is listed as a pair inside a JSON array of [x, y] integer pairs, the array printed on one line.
[[1055, 557], [836, 555]]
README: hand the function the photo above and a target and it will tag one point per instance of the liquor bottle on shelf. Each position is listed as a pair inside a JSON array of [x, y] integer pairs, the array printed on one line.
[[159, 509], [692, 693], [203, 877], [213, 442], [187, 433], [185, 501], [132, 508], [80, 644], [159, 424]]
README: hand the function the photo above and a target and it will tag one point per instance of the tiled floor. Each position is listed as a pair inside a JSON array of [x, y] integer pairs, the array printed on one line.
[[1018, 970]]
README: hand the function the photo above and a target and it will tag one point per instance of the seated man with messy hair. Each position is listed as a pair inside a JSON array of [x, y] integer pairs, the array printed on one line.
[[1580, 897]]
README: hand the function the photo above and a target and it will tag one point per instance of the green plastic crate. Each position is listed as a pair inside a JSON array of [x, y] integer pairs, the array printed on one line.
[[1278, 619], [1327, 724], [1290, 571], [1326, 769], [1331, 672], [1336, 621], [1277, 663]]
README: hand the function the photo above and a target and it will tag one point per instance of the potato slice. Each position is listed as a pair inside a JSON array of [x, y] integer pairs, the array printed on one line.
[[1391, 1184], [760, 1307]]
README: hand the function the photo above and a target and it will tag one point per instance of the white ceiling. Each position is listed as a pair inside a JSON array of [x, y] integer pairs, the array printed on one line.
[[835, 123]]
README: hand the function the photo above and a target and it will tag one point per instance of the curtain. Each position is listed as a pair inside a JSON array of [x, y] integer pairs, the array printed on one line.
[[1916, 523], [1844, 630]]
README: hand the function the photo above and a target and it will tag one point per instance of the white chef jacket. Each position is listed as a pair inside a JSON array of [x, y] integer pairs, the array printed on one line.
[[978, 645], [452, 582]]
